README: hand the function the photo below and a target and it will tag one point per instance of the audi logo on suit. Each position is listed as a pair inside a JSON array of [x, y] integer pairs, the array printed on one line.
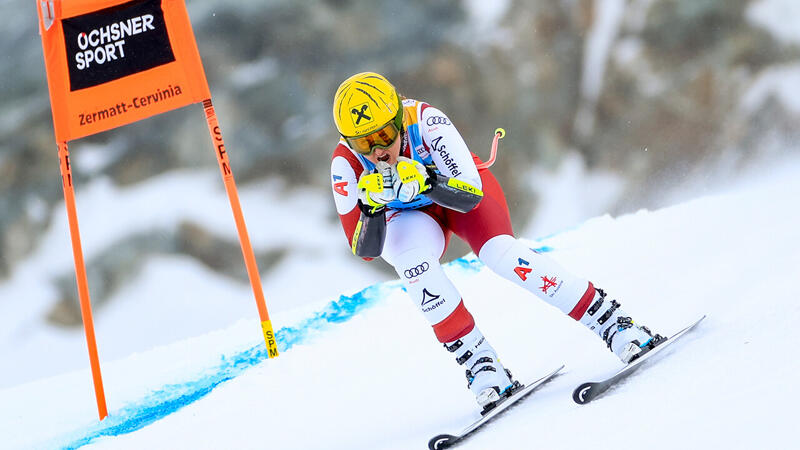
[[437, 120], [417, 271]]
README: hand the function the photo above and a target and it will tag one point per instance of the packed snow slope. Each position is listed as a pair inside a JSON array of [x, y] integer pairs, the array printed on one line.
[[365, 372]]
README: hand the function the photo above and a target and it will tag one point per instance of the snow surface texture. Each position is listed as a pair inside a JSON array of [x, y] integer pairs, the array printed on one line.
[[365, 371], [172, 297]]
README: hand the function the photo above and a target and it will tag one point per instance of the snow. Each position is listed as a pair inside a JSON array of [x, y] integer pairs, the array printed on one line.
[[779, 83], [570, 195], [174, 295], [486, 27], [486, 15], [772, 15], [252, 74], [364, 370], [603, 32], [599, 42], [94, 158]]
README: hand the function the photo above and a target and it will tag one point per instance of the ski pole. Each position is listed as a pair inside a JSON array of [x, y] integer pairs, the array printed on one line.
[[498, 134]]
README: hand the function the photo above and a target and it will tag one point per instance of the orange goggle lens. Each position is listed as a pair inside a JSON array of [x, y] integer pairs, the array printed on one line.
[[382, 138]]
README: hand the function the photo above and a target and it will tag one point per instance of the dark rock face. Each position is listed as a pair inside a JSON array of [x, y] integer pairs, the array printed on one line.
[[664, 102]]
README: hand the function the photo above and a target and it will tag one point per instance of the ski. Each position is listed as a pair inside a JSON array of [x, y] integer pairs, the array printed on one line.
[[519, 392], [587, 392]]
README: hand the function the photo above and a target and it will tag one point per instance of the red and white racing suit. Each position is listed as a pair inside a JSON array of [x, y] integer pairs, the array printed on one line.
[[417, 232]]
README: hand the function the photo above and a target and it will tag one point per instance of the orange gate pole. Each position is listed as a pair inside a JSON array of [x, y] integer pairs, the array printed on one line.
[[244, 239], [80, 275]]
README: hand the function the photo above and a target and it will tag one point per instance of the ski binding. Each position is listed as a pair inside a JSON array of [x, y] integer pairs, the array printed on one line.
[[518, 392], [587, 392]]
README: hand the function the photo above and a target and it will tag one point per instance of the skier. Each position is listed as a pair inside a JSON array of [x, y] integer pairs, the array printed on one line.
[[403, 181]]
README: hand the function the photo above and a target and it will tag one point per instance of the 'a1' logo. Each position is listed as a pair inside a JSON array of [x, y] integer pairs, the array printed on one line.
[[521, 271]]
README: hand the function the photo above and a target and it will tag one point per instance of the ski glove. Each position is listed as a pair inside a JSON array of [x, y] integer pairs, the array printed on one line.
[[375, 188], [409, 179]]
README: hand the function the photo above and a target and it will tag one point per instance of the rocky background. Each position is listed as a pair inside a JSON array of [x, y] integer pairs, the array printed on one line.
[[656, 91]]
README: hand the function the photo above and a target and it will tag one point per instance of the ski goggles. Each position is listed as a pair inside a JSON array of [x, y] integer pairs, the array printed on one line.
[[383, 138]]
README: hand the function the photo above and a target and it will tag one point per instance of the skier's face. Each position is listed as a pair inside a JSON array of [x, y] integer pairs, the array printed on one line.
[[388, 154]]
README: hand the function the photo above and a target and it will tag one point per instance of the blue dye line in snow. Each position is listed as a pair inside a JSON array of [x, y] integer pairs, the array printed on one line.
[[173, 397]]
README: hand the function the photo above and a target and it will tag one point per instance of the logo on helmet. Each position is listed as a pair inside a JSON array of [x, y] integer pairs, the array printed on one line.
[[361, 112]]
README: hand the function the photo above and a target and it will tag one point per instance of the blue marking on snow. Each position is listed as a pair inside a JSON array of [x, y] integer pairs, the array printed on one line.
[[173, 397]]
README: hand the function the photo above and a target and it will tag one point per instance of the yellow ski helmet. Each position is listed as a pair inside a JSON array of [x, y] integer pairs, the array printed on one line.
[[365, 103]]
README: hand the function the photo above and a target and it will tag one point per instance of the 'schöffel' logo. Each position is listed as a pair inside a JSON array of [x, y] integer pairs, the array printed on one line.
[[427, 297], [116, 42], [417, 271], [448, 160], [437, 120]]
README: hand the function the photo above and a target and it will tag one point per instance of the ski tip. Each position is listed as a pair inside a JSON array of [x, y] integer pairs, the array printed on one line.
[[442, 441], [582, 394], [550, 375]]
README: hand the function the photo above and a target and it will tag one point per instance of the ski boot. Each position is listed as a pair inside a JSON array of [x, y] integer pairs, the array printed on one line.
[[625, 338], [486, 376]]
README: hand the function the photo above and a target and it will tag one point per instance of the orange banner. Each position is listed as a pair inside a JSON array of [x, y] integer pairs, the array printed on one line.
[[113, 62]]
